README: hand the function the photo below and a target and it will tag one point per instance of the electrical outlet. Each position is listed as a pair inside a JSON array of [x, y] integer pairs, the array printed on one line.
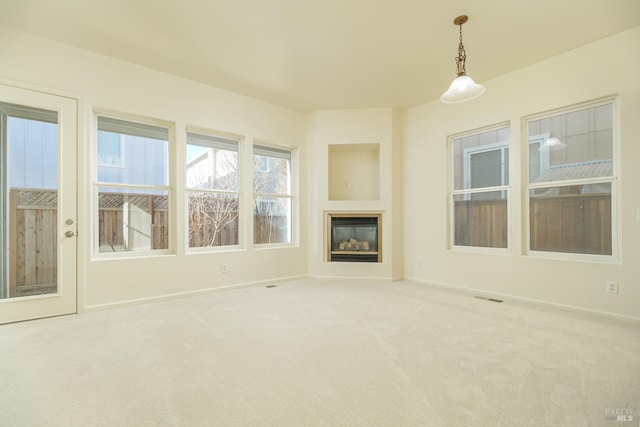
[[419, 263], [224, 267], [612, 287]]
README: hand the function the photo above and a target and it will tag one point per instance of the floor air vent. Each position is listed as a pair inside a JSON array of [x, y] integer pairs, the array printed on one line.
[[271, 286], [488, 299]]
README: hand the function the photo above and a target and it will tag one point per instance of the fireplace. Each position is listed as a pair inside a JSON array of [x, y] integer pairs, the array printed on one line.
[[354, 237]]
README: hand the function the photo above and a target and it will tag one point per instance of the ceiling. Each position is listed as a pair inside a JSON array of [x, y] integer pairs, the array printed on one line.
[[324, 54]]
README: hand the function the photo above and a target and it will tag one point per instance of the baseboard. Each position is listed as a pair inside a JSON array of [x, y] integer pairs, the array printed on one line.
[[531, 301], [376, 279], [165, 297]]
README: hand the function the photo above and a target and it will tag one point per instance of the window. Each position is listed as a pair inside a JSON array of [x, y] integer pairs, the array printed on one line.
[[28, 200], [538, 158], [133, 199], [480, 188], [272, 195], [486, 166], [110, 149], [212, 190], [571, 178]]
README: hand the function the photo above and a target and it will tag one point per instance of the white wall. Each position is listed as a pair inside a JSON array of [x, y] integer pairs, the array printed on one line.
[[352, 127], [412, 143], [105, 83], [609, 66]]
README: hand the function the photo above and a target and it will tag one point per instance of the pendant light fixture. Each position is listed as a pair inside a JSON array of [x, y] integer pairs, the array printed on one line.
[[463, 88]]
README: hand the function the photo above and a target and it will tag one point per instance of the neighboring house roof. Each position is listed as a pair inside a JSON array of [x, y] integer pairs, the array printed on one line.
[[582, 170]]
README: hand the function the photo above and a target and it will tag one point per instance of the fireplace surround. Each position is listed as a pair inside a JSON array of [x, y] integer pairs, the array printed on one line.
[[354, 237]]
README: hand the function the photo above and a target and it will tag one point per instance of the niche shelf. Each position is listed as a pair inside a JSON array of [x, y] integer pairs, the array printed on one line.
[[354, 172]]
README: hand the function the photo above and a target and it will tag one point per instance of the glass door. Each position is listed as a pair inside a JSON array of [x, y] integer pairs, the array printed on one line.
[[38, 138]]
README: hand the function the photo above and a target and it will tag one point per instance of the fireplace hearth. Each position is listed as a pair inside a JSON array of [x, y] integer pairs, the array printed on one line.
[[354, 237]]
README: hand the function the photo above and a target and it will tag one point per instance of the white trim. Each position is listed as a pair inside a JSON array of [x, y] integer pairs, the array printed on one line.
[[131, 186], [201, 250], [482, 190], [383, 279], [572, 182], [505, 188], [614, 180], [523, 300], [278, 245], [177, 295], [95, 184], [483, 249], [573, 256], [240, 141], [68, 107], [573, 107], [292, 194], [209, 190]]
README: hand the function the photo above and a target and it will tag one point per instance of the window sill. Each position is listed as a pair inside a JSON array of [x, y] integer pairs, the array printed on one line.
[[565, 256], [269, 246], [480, 250], [127, 255]]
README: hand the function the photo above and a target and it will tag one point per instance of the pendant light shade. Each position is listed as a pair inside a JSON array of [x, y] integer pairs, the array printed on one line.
[[463, 88]]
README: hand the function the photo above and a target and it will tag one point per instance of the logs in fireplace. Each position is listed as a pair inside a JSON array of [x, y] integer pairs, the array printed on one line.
[[354, 238]]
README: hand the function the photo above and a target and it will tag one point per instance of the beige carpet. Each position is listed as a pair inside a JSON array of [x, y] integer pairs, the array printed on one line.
[[322, 353]]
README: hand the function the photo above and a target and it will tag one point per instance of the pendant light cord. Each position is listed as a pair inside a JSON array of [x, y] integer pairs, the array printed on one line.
[[462, 57]]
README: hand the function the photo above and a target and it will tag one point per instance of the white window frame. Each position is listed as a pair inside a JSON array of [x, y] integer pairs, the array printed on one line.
[[230, 138], [292, 195], [96, 185], [468, 192], [613, 180]]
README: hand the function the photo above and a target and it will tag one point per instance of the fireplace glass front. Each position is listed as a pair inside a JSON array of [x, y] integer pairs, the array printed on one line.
[[354, 239]]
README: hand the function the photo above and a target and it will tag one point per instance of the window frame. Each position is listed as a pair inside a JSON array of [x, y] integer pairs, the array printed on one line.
[[96, 185], [228, 138], [613, 180], [467, 193], [292, 194]]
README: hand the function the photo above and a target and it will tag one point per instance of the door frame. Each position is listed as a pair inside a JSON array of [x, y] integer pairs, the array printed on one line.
[[70, 293]]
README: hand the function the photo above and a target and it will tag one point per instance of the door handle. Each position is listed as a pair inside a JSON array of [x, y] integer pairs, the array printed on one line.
[[69, 233]]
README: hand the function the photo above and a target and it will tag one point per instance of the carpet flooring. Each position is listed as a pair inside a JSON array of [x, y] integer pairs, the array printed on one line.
[[322, 353]]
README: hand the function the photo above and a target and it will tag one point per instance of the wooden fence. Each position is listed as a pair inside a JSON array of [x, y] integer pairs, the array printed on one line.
[[33, 248], [33, 232], [270, 229], [576, 223], [481, 223], [579, 224], [266, 229], [142, 224]]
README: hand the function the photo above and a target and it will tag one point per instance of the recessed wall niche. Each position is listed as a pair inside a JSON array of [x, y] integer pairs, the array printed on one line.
[[354, 172]]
